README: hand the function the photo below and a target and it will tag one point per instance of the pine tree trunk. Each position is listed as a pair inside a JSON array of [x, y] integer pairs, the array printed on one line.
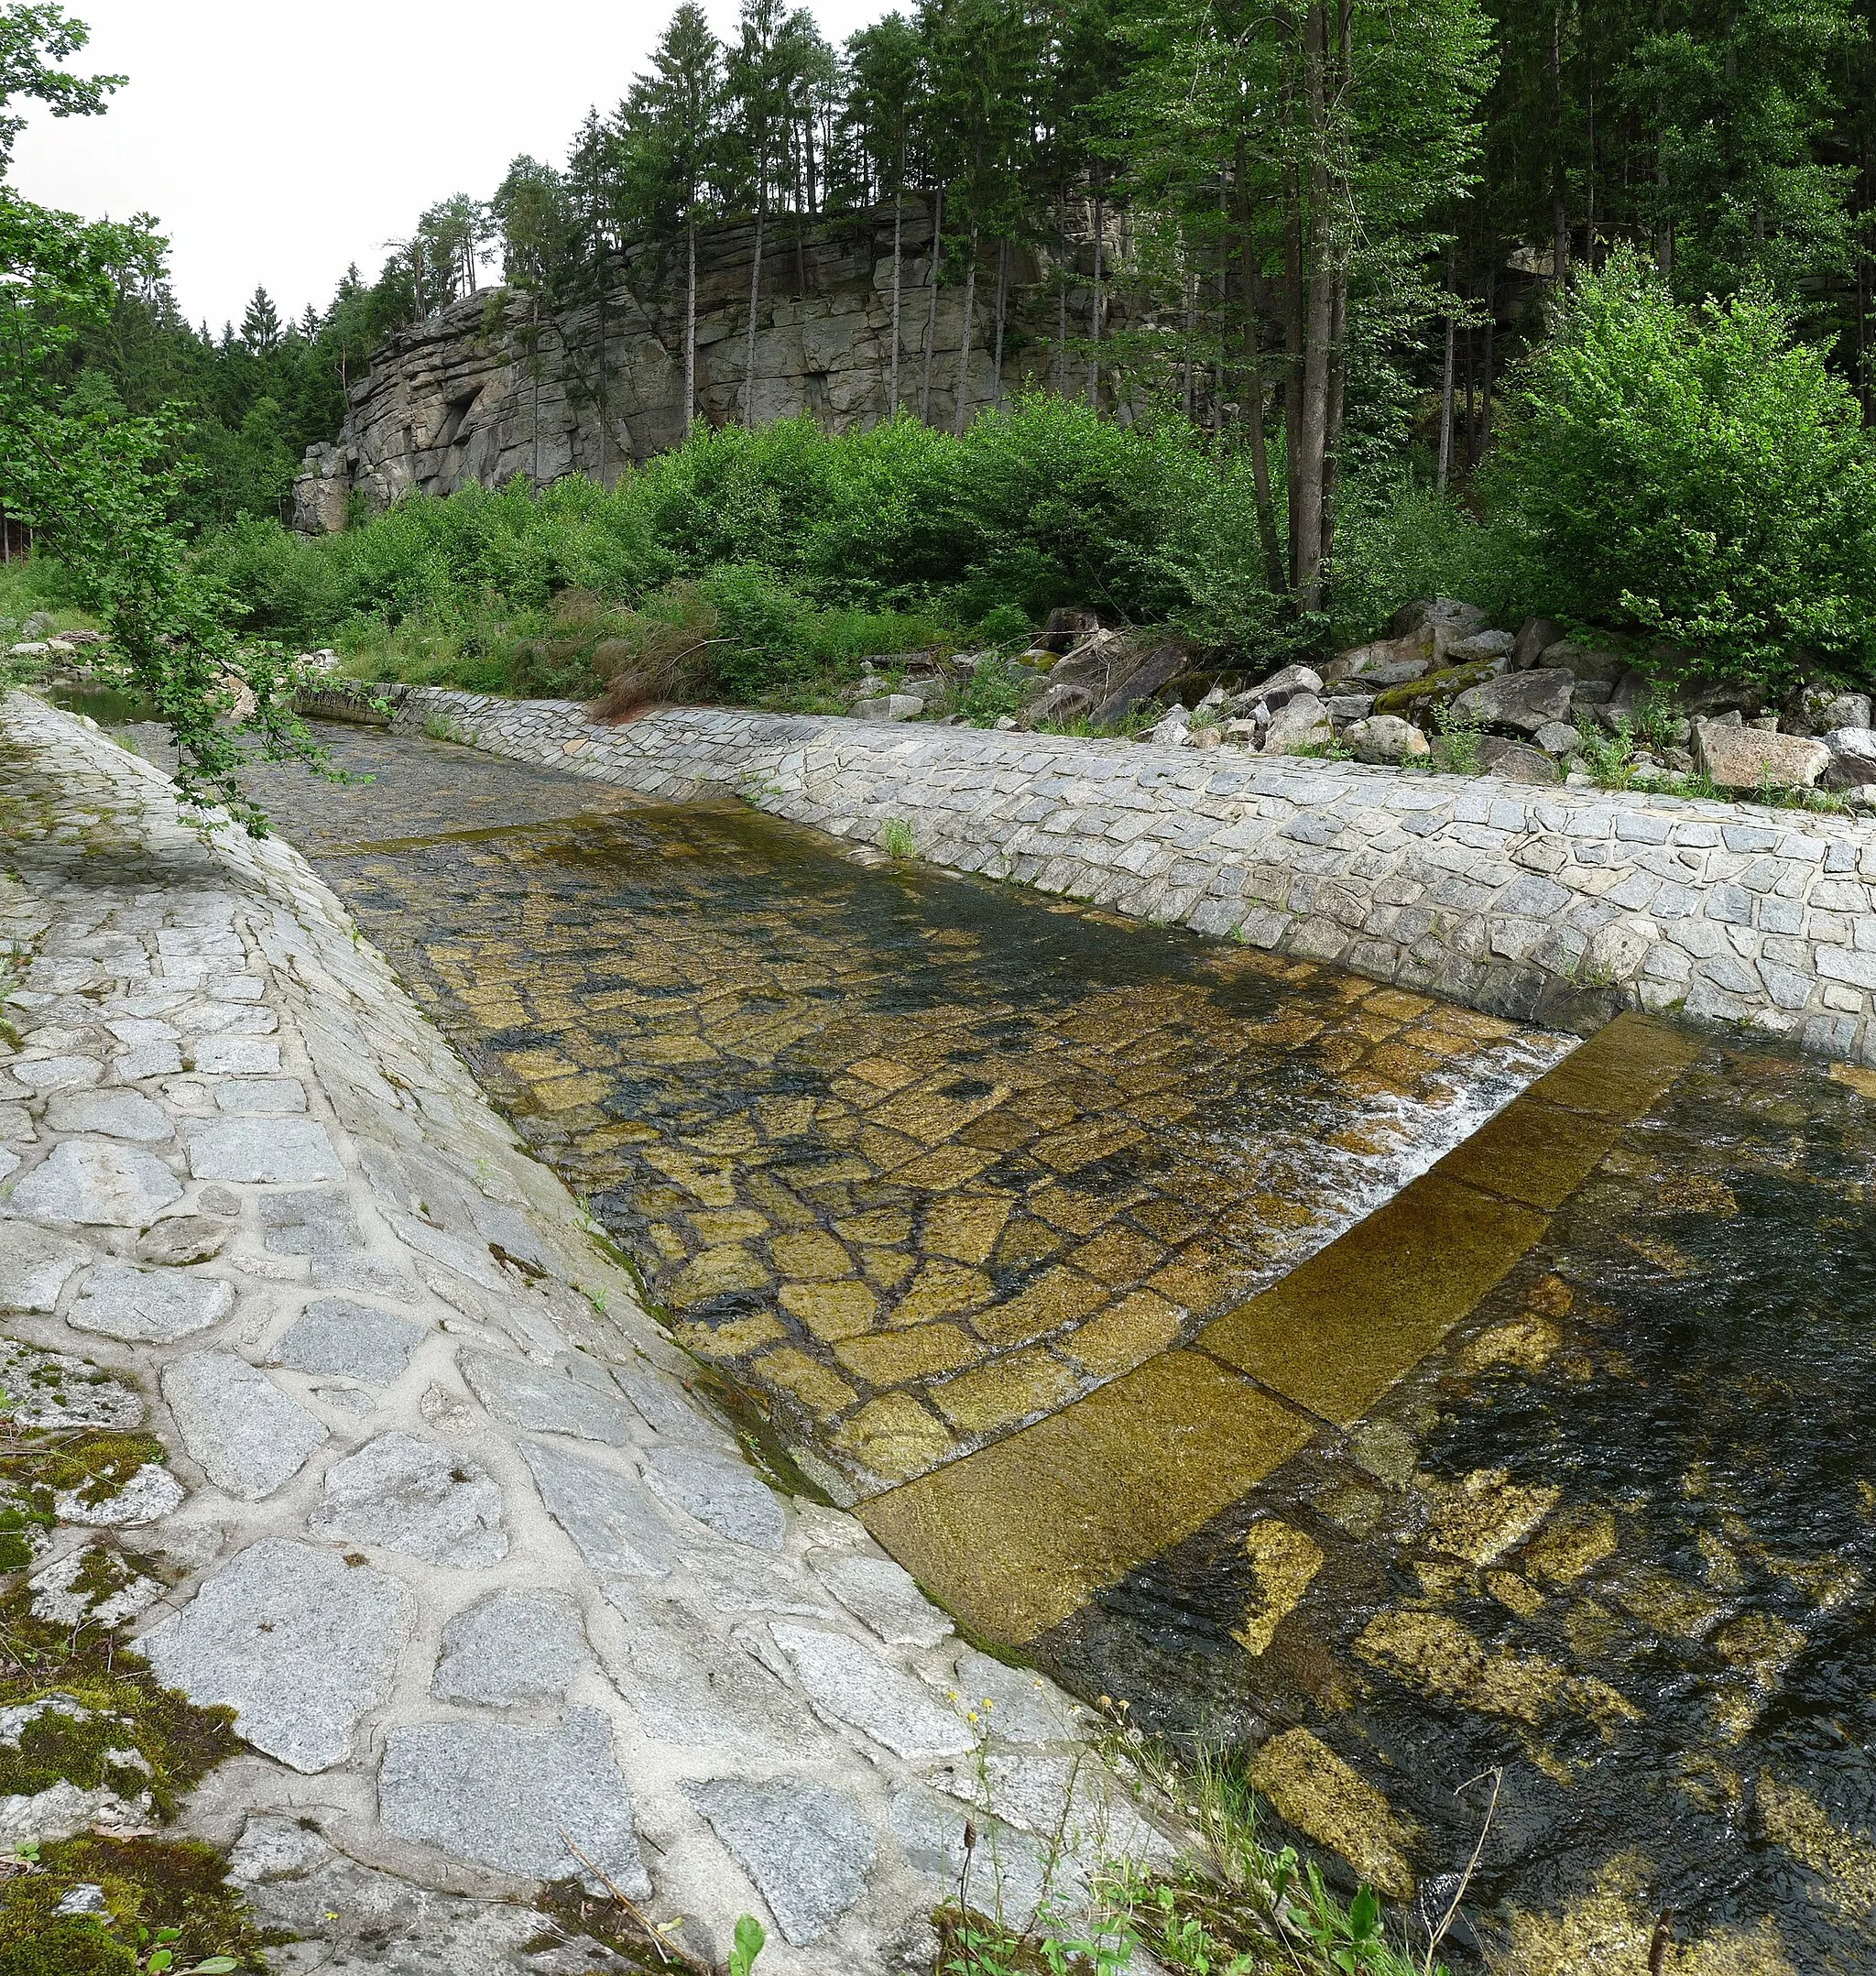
[[1338, 373], [1002, 306], [932, 309], [898, 289], [1306, 478], [1485, 392], [690, 326], [1094, 304], [755, 296], [962, 409], [1445, 466]]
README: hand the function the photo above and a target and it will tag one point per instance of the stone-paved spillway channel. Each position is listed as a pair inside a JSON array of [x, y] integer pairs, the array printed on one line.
[[1089, 1260]]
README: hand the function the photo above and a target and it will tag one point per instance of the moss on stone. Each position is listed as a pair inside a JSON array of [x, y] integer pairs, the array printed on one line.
[[149, 1884], [127, 1711]]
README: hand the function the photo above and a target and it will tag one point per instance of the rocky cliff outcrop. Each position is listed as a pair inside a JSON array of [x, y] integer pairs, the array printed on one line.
[[490, 388]]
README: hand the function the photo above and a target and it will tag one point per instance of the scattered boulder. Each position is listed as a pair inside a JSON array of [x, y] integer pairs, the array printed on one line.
[[1721, 696], [1536, 637], [1514, 761], [1063, 700], [1742, 757], [1585, 662], [1386, 739], [1386, 662], [1163, 663], [1523, 701], [1852, 758], [889, 706], [1482, 645], [1450, 621], [1170, 729], [1558, 737], [1067, 624], [1302, 721], [1283, 687], [1345, 708], [1416, 700], [1821, 707]]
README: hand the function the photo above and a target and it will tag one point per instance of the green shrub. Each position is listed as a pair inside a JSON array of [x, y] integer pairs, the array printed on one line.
[[1397, 538], [807, 550], [1699, 476]]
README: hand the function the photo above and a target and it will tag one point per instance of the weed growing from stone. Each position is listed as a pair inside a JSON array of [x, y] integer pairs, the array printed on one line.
[[1456, 750], [1611, 760], [897, 840], [995, 690], [443, 727]]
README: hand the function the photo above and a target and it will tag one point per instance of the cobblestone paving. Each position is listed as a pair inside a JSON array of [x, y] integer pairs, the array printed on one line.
[[422, 1496], [925, 1161]]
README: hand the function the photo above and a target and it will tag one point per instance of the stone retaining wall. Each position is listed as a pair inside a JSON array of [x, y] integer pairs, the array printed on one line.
[[1552, 905], [440, 1514]]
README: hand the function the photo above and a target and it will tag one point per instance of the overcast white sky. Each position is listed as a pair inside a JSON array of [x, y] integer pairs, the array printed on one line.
[[278, 143]]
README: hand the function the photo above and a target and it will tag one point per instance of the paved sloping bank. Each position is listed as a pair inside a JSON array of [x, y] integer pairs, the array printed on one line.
[[1550, 905], [441, 1518]]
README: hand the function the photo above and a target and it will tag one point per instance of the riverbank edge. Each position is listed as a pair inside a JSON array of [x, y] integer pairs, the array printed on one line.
[[1556, 906], [257, 1197]]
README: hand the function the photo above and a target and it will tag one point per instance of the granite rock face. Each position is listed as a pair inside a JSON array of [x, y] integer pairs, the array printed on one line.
[[455, 400]]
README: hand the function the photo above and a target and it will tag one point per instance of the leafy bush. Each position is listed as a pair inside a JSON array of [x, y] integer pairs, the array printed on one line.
[[1397, 538], [815, 550], [1699, 476]]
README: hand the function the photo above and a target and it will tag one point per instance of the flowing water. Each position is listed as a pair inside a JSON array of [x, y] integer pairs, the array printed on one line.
[[956, 1182]]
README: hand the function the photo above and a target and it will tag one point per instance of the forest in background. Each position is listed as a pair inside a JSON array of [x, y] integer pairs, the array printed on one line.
[[1310, 208], [1287, 388]]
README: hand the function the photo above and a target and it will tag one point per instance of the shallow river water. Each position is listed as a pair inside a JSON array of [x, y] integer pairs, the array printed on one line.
[[963, 1188]]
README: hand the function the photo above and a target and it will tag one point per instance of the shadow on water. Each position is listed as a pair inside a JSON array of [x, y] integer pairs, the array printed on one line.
[[919, 1160]]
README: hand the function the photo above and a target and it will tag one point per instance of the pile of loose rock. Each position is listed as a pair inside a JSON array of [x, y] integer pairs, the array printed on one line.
[[1445, 690]]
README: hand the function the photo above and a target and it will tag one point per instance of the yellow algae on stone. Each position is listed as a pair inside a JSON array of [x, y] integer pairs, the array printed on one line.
[[1527, 1340], [717, 1225], [1665, 1256], [715, 1272], [886, 1267], [948, 1166], [1515, 1594], [1573, 1542], [1844, 1860], [1863, 1082], [668, 1241], [832, 1311], [817, 1387], [895, 1437], [1668, 1606], [736, 1339], [876, 1225], [776, 1202], [1117, 1257], [964, 1227], [1694, 1193], [897, 1358], [883, 1074], [1760, 1644], [942, 1289], [1117, 1339], [811, 1256], [1434, 1653], [1283, 1563], [1056, 1297], [1610, 1930], [1015, 1387], [1315, 1791], [1073, 1210], [1486, 1516]]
